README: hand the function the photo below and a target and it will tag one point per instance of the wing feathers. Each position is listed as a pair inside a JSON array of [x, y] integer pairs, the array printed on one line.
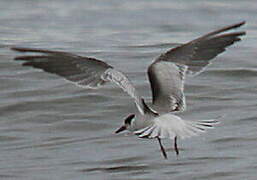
[[122, 81], [166, 74], [83, 71], [167, 84], [198, 53], [226, 28], [167, 79]]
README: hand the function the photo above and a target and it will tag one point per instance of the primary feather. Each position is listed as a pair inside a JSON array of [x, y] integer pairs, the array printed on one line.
[[83, 71]]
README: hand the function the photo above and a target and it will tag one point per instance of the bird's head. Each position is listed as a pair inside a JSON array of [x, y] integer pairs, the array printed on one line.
[[127, 124]]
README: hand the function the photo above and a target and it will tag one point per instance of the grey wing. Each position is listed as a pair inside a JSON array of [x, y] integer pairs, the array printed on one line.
[[198, 53], [167, 84], [83, 71]]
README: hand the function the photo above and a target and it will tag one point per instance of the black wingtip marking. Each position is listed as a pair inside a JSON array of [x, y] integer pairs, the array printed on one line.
[[16, 49], [206, 125], [240, 24]]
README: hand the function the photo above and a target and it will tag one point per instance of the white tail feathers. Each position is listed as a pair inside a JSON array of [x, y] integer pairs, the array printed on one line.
[[193, 128], [170, 126]]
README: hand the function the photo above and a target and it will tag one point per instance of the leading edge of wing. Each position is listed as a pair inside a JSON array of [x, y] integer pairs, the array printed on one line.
[[199, 52], [83, 71]]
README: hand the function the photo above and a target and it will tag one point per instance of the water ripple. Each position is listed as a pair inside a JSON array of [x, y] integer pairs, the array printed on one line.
[[122, 168]]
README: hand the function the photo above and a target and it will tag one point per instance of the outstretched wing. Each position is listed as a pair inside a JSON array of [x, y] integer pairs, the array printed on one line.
[[83, 71], [198, 53], [167, 73], [167, 84]]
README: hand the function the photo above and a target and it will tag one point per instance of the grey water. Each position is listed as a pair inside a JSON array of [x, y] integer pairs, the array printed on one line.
[[51, 129]]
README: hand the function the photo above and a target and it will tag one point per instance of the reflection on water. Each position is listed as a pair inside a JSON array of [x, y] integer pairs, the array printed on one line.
[[51, 129]]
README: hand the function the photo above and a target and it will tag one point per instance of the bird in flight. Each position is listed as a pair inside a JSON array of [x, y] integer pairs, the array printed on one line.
[[166, 75]]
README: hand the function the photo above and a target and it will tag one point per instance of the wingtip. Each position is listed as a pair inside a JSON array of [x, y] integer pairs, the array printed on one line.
[[15, 48], [21, 49], [239, 24], [242, 22], [33, 50]]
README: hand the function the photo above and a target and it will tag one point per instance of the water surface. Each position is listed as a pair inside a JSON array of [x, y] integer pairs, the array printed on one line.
[[50, 129]]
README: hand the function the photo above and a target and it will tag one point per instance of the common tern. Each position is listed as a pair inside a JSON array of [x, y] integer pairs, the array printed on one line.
[[166, 75]]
